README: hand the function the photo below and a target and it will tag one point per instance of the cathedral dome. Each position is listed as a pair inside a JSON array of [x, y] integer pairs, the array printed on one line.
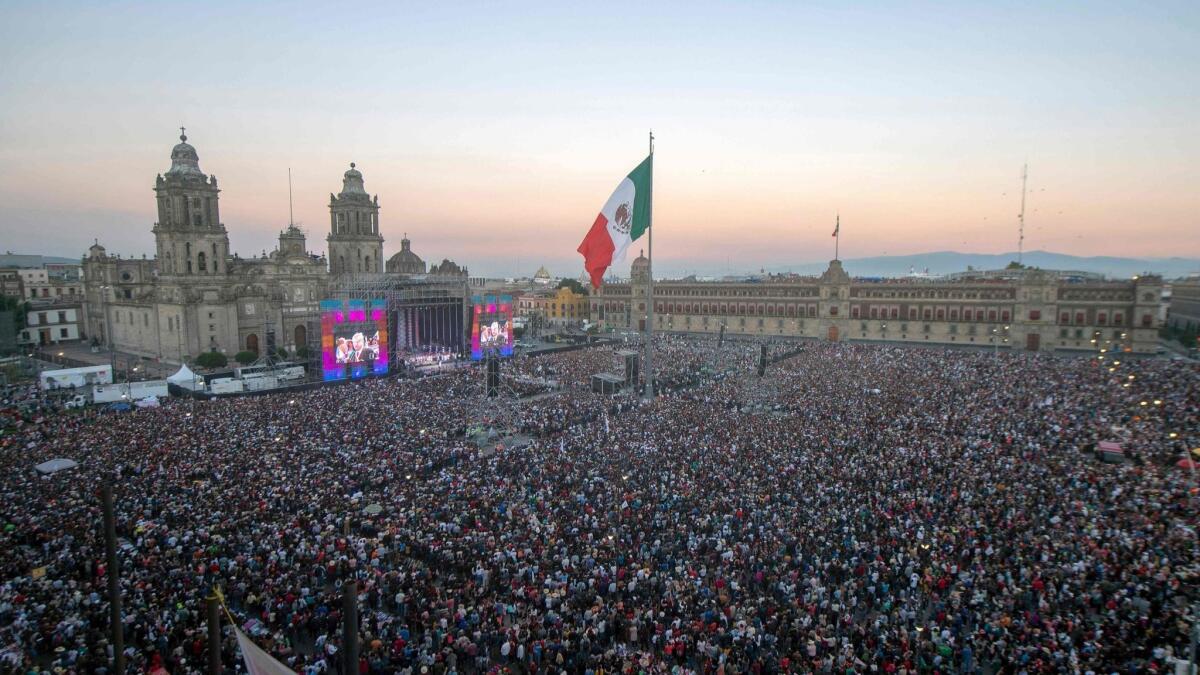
[[184, 160], [405, 261]]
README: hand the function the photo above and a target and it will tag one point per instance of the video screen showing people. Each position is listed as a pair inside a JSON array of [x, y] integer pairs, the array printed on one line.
[[354, 337], [356, 347], [495, 334], [491, 325]]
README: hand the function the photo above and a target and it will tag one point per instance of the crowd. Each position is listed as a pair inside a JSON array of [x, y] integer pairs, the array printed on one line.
[[891, 510]]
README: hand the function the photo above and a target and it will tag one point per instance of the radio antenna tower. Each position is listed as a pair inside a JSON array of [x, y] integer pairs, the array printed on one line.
[[1021, 216]]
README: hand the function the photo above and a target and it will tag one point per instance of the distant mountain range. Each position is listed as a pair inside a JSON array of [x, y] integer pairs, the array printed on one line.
[[936, 263], [947, 262], [27, 260]]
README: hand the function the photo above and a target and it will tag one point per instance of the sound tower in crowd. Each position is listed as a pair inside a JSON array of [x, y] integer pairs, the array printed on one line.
[[632, 373], [762, 360], [493, 375]]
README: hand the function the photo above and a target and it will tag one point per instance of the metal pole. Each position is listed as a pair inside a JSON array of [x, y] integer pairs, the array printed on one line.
[[350, 627], [1195, 552], [114, 583], [1195, 639], [650, 280], [214, 635]]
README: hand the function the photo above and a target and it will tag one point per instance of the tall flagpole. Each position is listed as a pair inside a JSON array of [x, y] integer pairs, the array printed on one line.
[[837, 237], [650, 279]]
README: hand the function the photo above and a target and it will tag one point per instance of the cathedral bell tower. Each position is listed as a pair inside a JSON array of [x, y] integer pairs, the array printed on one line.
[[355, 245], [191, 241]]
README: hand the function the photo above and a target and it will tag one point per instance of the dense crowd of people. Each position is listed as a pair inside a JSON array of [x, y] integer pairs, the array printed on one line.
[[855, 509]]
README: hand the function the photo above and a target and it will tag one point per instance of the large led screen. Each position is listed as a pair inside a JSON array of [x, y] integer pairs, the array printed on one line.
[[491, 325], [354, 338]]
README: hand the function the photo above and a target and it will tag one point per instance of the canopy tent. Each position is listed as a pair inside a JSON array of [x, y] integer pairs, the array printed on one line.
[[148, 402], [1186, 463], [55, 465], [1110, 451], [184, 377]]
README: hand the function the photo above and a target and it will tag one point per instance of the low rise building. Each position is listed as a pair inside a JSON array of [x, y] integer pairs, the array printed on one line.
[[1183, 311], [10, 284], [558, 308], [52, 324]]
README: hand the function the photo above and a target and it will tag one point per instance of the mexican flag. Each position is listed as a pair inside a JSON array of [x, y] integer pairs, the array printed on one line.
[[624, 218]]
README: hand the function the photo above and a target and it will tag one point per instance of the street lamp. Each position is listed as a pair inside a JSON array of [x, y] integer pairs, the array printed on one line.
[[996, 340]]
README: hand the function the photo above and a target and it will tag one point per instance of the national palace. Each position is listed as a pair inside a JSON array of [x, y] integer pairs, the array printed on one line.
[[1026, 309]]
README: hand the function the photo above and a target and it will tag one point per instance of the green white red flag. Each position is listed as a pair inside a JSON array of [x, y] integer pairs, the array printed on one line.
[[624, 218]]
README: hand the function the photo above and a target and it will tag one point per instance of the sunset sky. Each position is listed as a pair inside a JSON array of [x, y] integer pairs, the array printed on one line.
[[494, 132]]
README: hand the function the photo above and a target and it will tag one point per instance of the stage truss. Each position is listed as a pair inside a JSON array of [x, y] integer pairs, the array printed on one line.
[[498, 415], [409, 293]]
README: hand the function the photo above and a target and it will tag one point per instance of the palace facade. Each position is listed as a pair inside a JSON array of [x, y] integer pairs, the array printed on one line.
[[1034, 310]]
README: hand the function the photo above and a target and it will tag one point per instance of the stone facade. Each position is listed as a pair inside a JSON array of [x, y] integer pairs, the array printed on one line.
[[1036, 311], [449, 268], [1184, 312], [355, 245], [195, 296]]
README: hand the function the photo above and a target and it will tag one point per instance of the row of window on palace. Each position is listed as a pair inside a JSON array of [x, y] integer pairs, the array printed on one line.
[[1066, 317], [854, 293]]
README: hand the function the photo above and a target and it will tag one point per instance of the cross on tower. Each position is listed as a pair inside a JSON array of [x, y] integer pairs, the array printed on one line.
[[182, 134]]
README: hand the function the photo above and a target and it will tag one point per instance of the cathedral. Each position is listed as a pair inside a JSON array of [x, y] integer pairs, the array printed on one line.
[[196, 296]]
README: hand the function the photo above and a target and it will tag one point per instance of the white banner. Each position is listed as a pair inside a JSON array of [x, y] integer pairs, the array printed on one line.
[[259, 662]]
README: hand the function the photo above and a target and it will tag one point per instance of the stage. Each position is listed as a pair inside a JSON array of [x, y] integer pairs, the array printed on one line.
[[426, 316]]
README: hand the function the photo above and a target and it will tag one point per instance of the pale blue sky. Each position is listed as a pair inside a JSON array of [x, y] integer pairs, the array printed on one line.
[[495, 131]]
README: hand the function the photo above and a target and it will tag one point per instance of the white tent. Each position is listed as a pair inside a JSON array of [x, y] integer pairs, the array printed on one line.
[[55, 465], [148, 402], [185, 378]]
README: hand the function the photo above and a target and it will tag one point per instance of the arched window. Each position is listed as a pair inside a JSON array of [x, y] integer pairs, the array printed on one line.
[[202, 262]]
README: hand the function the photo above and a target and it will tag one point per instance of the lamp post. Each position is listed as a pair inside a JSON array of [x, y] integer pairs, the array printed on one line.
[[108, 336], [996, 340]]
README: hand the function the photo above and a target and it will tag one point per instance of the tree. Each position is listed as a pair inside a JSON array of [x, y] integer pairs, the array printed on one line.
[[1014, 265], [245, 357], [302, 352], [572, 284], [18, 307], [281, 353], [212, 360]]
